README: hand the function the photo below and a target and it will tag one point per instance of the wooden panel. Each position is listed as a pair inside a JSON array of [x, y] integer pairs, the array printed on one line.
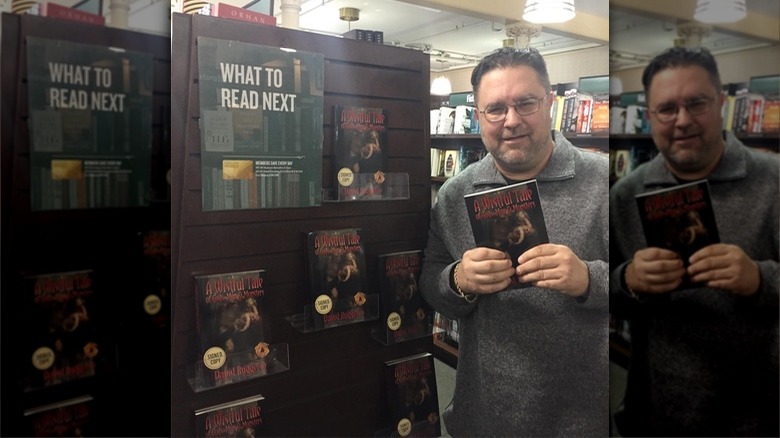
[[335, 386], [103, 240]]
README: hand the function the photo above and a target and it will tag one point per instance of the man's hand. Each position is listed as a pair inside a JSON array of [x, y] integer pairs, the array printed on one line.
[[655, 271], [725, 266], [554, 267], [484, 270]]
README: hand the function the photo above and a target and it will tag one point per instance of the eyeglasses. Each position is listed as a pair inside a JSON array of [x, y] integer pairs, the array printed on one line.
[[695, 107], [523, 107]]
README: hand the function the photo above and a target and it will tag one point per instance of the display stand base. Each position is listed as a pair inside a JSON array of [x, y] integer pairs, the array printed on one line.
[[311, 321], [395, 186], [239, 367]]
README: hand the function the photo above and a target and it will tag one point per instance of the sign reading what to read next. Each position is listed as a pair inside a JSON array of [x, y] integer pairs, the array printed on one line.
[[261, 126], [90, 125]]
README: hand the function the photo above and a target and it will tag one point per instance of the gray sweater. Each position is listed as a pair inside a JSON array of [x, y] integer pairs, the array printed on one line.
[[704, 361], [532, 361]]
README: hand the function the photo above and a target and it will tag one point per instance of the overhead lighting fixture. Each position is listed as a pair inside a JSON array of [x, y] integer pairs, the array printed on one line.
[[441, 86], [720, 11], [548, 11]]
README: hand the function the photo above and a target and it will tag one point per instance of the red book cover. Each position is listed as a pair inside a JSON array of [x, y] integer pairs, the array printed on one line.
[[679, 218], [337, 275], [405, 314], [224, 10], [63, 343], [58, 11], [412, 397], [508, 218], [239, 418], [233, 345], [68, 418], [361, 151]]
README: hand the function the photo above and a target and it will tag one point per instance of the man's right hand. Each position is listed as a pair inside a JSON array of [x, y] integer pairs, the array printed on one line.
[[654, 271], [484, 270]]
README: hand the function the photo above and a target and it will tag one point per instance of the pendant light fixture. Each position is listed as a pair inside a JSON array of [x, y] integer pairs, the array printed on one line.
[[720, 11], [441, 86], [548, 11]]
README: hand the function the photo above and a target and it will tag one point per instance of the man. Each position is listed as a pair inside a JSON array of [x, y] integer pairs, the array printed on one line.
[[532, 361], [704, 358]]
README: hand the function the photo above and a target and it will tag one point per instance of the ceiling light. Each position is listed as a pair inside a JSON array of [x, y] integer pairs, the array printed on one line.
[[720, 11], [548, 11], [441, 86]]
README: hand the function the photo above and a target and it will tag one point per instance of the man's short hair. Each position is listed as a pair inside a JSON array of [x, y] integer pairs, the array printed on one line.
[[510, 57], [682, 57]]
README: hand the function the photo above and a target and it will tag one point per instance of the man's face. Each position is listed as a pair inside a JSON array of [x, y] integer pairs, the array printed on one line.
[[691, 143], [519, 144]]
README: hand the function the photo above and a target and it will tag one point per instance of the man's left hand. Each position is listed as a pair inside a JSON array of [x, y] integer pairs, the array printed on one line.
[[554, 267], [725, 266]]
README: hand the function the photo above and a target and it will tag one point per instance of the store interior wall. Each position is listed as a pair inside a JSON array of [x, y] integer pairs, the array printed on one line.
[[731, 67]]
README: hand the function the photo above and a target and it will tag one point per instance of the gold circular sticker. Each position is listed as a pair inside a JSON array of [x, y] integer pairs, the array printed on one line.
[[393, 321], [345, 177], [43, 358], [214, 358], [152, 304], [323, 304], [404, 427]]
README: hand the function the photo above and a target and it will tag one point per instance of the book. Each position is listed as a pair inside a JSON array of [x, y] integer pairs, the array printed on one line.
[[54, 10], [413, 396], [771, 121], [237, 418], [360, 150], [224, 10], [679, 218], [404, 313], [436, 162], [446, 123], [451, 162], [232, 345], [67, 418], [337, 277], [623, 162], [355, 34], [600, 114], [63, 341], [508, 218]]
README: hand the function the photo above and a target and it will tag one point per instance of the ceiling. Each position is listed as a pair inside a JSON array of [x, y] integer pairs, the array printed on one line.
[[457, 33]]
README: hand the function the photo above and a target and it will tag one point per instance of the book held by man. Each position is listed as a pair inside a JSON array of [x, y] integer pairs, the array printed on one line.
[[508, 218], [679, 218]]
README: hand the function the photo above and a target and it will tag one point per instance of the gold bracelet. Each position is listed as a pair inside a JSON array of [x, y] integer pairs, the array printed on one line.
[[468, 297], [631, 293]]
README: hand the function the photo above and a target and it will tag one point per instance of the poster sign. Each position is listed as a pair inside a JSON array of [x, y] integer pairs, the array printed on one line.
[[90, 125], [261, 126]]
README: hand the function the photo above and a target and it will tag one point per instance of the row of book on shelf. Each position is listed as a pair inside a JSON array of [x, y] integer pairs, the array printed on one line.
[[751, 107], [623, 161], [458, 119], [449, 162]]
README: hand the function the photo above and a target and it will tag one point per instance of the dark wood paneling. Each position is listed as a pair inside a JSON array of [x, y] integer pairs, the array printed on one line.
[[335, 385], [102, 240]]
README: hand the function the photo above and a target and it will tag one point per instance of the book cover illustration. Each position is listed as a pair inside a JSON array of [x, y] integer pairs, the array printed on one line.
[[239, 418], [361, 151], [679, 218], [232, 343], [413, 396], [90, 126], [261, 126], [405, 314], [337, 277], [68, 418], [63, 343], [508, 218]]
